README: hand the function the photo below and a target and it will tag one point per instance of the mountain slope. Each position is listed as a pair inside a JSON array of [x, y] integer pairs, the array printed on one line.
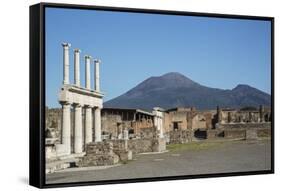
[[175, 90]]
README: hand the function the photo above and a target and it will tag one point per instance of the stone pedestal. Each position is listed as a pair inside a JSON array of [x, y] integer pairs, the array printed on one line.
[[251, 134], [211, 134], [159, 145]]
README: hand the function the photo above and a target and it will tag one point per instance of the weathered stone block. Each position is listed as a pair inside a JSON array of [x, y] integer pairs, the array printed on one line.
[[159, 145], [180, 136], [235, 133], [140, 145], [99, 154], [251, 134], [264, 132], [212, 134]]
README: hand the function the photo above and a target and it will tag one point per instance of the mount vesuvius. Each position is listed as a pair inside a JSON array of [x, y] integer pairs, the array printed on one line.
[[176, 90]]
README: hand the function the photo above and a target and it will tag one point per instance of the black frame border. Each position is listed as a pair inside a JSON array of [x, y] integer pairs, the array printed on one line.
[[37, 93]]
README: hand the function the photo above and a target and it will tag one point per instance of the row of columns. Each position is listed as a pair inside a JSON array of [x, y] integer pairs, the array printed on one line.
[[66, 47], [90, 120], [78, 126]]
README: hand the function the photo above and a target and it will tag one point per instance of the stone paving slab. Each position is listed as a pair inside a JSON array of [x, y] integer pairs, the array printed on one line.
[[235, 156]]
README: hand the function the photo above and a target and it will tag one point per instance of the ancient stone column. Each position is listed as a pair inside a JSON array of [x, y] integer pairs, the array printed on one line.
[[250, 117], [97, 124], [229, 117], [66, 47], [88, 125], [158, 121], [87, 72], [97, 74], [261, 113], [66, 127], [161, 128], [125, 134], [77, 67], [219, 114], [78, 134]]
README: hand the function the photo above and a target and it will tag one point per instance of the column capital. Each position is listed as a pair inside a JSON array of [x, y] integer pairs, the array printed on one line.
[[77, 105], [87, 106], [65, 103], [88, 57], [97, 61], [66, 45], [76, 50]]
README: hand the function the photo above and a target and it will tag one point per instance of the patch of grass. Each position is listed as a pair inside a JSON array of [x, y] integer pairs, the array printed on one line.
[[193, 146]]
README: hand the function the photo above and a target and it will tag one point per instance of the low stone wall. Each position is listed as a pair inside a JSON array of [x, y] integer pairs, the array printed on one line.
[[244, 125], [148, 133], [264, 132], [235, 133], [243, 133], [140, 145], [180, 136], [99, 154], [147, 145], [120, 148], [212, 134]]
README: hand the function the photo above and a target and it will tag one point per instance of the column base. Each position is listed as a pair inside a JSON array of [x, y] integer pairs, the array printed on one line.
[[62, 150]]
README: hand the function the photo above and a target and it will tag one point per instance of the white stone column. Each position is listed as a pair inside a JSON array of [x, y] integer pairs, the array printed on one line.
[[87, 71], [66, 47], [158, 121], [88, 125], [125, 134], [97, 74], [97, 124], [66, 128], [77, 67], [78, 130], [161, 127]]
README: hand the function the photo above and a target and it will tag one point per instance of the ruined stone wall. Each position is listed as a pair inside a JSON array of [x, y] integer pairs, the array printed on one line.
[[53, 123], [199, 121], [180, 136], [241, 131], [167, 126], [120, 148], [172, 117], [148, 133], [147, 145], [99, 154], [238, 116], [140, 145], [245, 125], [111, 125], [204, 119], [143, 123]]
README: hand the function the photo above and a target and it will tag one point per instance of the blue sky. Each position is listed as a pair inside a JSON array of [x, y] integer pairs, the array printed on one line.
[[214, 52]]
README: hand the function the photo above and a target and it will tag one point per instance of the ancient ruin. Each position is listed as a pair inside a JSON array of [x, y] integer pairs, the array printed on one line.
[[83, 133]]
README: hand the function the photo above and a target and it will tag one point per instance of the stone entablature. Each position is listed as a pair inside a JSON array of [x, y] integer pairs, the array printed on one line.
[[82, 96]]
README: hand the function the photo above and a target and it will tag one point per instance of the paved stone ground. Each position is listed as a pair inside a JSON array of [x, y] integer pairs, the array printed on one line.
[[234, 156]]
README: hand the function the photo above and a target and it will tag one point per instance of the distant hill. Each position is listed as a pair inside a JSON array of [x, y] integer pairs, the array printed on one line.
[[176, 90]]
